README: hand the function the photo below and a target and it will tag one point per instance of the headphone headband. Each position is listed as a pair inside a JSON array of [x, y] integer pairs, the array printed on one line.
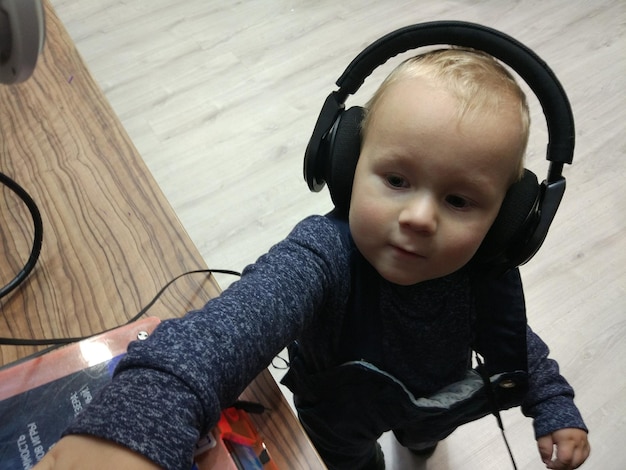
[[528, 65]]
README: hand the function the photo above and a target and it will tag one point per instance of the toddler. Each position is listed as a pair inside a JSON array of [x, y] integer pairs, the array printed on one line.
[[381, 308]]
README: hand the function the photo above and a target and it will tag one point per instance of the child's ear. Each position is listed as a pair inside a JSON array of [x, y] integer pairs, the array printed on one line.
[[507, 237]]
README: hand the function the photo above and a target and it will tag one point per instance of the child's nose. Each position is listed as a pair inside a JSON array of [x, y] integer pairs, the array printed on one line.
[[420, 214]]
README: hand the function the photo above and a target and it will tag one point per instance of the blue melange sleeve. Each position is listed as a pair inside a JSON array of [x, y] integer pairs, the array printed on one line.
[[170, 389], [550, 398]]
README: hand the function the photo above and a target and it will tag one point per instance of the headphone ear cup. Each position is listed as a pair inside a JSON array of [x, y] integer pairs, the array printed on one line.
[[22, 35], [344, 148], [517, 217]]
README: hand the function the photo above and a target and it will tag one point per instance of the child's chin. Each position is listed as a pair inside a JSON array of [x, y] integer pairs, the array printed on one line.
[[404, 279]]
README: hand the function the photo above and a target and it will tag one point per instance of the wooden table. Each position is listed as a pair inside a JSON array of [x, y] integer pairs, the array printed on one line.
[[111, 239]]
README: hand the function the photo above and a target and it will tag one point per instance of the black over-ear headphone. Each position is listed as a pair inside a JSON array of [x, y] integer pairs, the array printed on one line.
[[22, 34], [528, 208]]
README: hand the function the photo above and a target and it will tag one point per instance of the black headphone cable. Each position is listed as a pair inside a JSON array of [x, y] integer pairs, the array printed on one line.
[[37, 237], [495, 409], [143, 311]]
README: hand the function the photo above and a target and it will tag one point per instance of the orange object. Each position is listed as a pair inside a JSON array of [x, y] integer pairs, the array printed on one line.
[[234, 444]]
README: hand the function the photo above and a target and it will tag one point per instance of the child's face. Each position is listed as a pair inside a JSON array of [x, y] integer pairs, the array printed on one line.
[[428, 186]]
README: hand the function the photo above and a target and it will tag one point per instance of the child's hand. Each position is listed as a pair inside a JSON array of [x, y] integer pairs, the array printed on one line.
[[572, 448], [80, 452]]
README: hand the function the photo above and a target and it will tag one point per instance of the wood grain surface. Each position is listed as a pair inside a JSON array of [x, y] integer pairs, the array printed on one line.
[[111, 240]]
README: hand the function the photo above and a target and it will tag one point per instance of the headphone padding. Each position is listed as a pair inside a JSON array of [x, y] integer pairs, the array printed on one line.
[[515, 218], [343, 154]]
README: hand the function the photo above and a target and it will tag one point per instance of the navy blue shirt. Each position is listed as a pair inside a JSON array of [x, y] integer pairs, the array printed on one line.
[[170, 389]]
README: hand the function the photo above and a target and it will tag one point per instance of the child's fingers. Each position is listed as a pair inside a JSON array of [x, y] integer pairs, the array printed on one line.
[[572, 455], [567, 456], [546, 449], [47, 463]]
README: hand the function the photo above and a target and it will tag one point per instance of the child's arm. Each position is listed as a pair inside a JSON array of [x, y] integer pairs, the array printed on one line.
[[564, 449], [559, 428], [79, 452], [168, 390]]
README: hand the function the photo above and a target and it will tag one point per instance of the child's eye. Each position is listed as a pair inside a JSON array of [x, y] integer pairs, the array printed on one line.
[[458, 202], [396, 181]]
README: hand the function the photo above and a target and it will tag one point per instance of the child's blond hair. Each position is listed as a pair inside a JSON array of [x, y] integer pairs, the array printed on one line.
[[477, 80]]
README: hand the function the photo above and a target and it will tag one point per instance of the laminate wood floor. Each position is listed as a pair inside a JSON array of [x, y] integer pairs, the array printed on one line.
[[220, 99]]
